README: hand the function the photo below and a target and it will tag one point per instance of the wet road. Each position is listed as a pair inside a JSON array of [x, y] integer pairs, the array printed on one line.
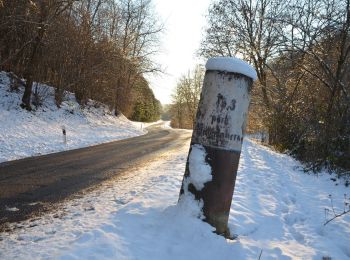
[[33, 185]]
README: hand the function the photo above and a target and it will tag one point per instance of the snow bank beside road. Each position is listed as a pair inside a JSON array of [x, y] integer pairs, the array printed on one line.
[[24, 134], [276, 210]]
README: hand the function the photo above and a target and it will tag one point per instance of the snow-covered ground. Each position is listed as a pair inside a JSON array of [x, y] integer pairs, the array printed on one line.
[[277, 211], [24, 134]]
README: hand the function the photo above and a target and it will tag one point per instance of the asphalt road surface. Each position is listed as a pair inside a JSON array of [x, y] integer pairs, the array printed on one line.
[[33, 185]]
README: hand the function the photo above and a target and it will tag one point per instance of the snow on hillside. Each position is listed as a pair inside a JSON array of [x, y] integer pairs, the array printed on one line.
[[277, 211], [24, 134]]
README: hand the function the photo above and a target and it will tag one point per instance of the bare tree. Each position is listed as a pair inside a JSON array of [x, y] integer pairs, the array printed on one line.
[[318, 32], [245, 28], [35, 17], [138, 41], [300, 51], [95, 48], [186, 98]]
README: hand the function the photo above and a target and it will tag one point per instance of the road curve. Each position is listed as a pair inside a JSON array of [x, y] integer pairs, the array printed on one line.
[[28, 184]]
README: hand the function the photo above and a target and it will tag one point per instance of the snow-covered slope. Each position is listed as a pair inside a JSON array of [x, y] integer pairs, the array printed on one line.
[[277, 211], [24, 133]]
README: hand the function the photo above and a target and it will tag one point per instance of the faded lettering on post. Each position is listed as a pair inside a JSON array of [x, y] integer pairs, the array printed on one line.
[[221, 114]]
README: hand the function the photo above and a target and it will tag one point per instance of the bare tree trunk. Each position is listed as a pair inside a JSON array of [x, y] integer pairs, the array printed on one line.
[[32, 62], [29, 73]]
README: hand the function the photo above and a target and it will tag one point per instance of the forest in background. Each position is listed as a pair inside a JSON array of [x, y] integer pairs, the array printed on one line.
[[103, 50], [98, 49], [301, 52]]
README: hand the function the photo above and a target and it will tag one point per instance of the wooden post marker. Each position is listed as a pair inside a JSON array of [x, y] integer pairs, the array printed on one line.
[[217, 138]]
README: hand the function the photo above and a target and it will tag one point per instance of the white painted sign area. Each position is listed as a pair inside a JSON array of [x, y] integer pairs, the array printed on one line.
[[221, 115]]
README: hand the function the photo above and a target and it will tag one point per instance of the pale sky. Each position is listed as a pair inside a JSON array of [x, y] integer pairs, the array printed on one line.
[[184, 21]]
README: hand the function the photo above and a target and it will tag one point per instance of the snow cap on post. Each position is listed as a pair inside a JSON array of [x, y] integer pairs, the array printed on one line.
[[231, 64]]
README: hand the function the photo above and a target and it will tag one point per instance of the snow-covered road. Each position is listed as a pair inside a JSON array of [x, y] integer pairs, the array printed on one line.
[[277, 210]]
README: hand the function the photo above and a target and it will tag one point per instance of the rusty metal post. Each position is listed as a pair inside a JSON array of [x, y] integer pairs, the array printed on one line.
[[218, 131]]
